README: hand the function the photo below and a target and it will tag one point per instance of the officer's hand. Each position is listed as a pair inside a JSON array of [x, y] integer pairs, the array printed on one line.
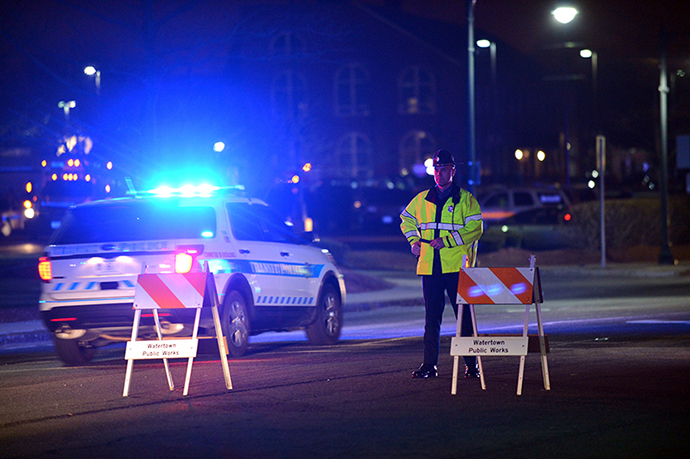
[[438, 243], [417, 248]]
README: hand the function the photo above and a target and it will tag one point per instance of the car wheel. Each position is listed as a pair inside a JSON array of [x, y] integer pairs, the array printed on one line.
[[235, 323], [329, 318], [73, 352]]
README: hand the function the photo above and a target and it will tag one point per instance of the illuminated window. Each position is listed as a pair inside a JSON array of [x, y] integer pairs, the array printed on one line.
[[289, 91], [415, 147], [417, 92], [352, 91]]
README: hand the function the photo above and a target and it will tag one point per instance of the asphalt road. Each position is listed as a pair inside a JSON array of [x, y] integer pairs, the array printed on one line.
[[290, 400], [619, 369]]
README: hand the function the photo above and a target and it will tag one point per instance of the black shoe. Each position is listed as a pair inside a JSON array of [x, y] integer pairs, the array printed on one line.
[[425, 371], [471, 373]]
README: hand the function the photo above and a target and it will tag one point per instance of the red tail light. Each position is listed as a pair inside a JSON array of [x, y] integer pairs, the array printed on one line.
[[183, 262], [45, 269], [185, 257]]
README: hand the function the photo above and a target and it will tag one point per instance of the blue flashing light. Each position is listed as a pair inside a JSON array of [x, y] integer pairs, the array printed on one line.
[[187, 191], [163, 191], [207, 234]]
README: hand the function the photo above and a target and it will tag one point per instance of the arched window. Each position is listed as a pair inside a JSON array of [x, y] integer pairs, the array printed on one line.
[[417, 92], [415, 147], [287, 43], [352, 158], [352, 91], [289, 94]]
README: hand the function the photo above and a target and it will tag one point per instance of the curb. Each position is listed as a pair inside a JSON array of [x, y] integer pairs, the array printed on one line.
[[11, 340]]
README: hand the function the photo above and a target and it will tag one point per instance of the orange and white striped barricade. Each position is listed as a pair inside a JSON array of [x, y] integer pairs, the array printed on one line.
[[173, 291], [499, 286]]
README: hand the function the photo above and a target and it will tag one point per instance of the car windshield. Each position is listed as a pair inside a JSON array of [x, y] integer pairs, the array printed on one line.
[[135, 221]]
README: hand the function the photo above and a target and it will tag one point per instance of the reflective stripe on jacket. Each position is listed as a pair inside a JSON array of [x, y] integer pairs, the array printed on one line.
[[460, 225]]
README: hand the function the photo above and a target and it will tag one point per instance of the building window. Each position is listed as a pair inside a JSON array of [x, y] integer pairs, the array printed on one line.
[[289, 95], [352, 91], [352, 158], [288, 44], [415, 147], [417, 92]]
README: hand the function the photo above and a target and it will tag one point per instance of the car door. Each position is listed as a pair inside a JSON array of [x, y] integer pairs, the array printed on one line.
[[276, 270]]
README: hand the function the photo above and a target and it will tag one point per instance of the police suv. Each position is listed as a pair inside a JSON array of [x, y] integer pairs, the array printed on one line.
[[267, 277]]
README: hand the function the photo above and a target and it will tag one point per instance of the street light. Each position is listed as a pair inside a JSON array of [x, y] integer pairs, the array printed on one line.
[[67, 106], [91, 71], [589, 54], [564, 14], [484, 43]]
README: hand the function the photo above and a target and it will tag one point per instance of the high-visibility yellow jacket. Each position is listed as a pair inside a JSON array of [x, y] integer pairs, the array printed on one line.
[[459, 224]]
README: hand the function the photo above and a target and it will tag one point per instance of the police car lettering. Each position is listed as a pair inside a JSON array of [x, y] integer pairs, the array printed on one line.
[[220, 254], [284, 269]]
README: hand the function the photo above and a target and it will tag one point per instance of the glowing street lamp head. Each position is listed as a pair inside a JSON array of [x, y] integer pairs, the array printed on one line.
[[564, 14], [90, 70]]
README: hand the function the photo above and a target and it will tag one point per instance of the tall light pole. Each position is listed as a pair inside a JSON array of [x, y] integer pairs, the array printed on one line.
[[470, 96], [565, 15], [484, 43], [93, 71], [495, 124], [589, 54], [665, 257]]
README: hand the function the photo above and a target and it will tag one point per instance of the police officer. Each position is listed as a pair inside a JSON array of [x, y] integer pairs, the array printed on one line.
[[442, 224]]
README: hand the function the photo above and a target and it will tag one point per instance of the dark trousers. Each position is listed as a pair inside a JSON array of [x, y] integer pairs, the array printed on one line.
[[435, 288]]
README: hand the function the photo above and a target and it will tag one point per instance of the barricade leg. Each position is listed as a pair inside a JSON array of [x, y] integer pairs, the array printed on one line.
[[479, 358], [171, 385], [221, 347], [456, 359], [191, 359], [542, 349], [521, 373], [130, 363]]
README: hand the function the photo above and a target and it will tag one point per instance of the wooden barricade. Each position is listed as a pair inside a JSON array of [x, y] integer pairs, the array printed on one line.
[[499, 286], [172, 291]]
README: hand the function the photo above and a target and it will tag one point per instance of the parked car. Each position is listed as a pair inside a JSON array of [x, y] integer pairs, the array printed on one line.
[[544, 228], [506, 202], [267, 277]]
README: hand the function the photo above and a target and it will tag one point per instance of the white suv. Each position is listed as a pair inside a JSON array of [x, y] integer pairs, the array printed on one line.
[[267, 278]]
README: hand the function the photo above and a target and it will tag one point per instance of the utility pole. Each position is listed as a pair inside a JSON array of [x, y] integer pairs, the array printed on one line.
[[473, 178], [665, 257]]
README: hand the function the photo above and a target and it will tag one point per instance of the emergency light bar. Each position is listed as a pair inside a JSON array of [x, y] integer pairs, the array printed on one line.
[[188, 191]]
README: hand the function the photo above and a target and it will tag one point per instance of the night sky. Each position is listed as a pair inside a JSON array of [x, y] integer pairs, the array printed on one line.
[[45, 44]]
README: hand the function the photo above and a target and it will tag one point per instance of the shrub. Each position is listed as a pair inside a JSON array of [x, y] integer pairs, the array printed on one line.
[[631, 222]]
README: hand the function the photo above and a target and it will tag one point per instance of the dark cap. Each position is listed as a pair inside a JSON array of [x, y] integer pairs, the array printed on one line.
[[443, 158]]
